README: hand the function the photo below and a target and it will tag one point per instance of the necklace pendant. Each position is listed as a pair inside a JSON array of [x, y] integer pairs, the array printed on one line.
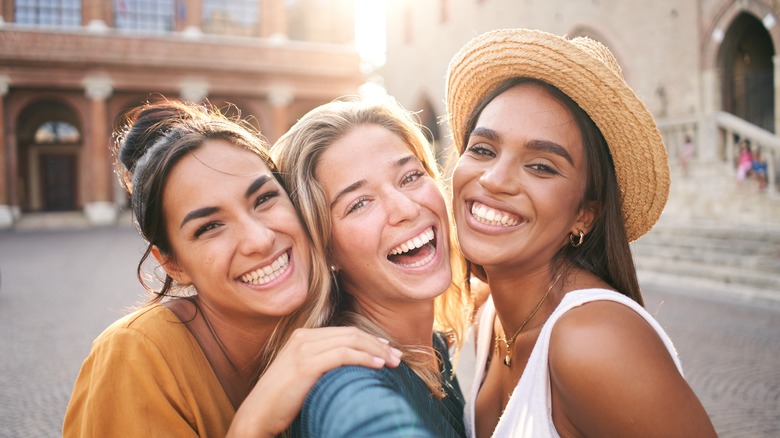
[[508, 359]]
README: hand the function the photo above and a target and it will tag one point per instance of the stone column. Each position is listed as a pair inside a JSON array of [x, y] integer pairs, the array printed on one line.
[[190, 24], [708, 142], [93, 15], [776, 63], [6, 184], [273, 19], [280, 98], [96, 167]]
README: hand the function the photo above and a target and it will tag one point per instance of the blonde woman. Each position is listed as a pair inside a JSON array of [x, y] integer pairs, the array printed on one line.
[[366, 182], [240, 277], [560, 167]]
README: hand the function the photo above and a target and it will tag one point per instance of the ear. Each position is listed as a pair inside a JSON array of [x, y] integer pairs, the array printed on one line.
[[585, 218], [171, 267]]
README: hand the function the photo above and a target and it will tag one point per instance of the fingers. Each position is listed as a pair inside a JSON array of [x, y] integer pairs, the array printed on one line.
[[342, 346], [309, 353]]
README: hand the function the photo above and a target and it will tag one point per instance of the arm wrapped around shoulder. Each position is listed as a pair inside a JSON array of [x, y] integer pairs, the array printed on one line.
[[356, 401]]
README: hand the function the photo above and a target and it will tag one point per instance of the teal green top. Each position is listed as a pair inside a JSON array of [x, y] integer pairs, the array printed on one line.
[[353, 401]]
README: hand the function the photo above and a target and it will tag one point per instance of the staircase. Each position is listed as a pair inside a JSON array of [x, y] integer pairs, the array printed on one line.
[[712, 257]]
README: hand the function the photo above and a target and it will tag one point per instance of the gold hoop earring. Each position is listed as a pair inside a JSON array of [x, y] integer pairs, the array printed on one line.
[[579, 241]]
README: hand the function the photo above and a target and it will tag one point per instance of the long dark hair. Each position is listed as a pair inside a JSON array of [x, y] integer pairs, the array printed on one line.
[[605, 251]]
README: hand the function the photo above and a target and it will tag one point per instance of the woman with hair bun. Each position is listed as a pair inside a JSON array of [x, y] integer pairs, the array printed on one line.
[[240, 279]]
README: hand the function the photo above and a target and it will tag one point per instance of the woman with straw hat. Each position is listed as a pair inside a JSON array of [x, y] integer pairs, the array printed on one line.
[[560, 167]]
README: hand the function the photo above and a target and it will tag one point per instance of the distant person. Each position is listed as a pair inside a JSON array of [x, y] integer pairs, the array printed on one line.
[[560, 167], [759, 169], [687, 152], [240, 277], [744, 161]]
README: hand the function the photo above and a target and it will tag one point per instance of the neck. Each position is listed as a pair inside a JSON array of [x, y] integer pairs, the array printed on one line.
[[516, 297], [241, 340], [408, 323]]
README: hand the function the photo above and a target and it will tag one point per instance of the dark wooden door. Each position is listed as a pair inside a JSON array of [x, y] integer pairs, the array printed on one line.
[[59, 182]]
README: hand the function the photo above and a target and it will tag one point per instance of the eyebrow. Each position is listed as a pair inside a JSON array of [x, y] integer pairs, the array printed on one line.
[[206, 211], [256, 184], [551, 147], [358, 184], [536, 145], [486, 133]]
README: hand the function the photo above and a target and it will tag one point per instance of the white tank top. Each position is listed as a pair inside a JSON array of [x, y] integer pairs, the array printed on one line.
[[529, 410]]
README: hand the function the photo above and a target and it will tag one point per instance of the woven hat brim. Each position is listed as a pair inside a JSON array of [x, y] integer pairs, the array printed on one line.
[[636, 146]]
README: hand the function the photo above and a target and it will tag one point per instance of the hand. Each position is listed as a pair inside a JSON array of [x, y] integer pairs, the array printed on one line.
[[277, 398]]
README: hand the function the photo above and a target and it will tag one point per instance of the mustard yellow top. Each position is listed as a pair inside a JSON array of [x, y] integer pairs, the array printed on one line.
[[147, 376]]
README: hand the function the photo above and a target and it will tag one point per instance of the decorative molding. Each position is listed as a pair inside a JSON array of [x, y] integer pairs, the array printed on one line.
[[5, 83], [280, 95], [193, 89], [101, 213], [6, 216], [98, 87], [97, 26]]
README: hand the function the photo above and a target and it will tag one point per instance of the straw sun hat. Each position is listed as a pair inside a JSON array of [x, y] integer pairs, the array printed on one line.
[[587, 72]]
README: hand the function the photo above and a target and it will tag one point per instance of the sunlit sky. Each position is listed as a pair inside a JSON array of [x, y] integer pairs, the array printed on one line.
[[370, 37]]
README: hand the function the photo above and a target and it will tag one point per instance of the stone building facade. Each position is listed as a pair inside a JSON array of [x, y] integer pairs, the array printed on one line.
[[705, 68], [70, 69]]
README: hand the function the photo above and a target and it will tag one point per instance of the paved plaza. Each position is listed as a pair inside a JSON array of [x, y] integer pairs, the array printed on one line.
[[60, 289]]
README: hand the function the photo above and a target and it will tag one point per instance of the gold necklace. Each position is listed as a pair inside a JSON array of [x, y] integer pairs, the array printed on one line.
[[508, 342]]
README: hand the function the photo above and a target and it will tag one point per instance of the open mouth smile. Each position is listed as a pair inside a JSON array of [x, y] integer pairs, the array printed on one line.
[[416, 251], [268, 273], [490, 216]]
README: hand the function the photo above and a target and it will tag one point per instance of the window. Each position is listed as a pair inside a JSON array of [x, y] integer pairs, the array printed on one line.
[[65, 13], [230, 17], [148, 16], [55, 131]]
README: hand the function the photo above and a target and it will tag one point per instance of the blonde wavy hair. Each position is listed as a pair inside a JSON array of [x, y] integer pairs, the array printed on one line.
[[297, 154]]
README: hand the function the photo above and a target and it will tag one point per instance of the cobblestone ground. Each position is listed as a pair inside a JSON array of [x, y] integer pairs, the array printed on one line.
[[60, 289], [730, 352]]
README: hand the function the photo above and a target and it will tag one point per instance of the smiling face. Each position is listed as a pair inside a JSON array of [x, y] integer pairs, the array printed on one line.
[[235, 234], [389, 235], [518, 185]]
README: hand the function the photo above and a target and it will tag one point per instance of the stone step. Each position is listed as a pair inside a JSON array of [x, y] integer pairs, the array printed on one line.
[[725, 274], [747, 255], [712, 256]]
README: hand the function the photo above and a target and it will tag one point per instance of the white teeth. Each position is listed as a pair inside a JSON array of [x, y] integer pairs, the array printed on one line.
[[423, 261], [269, 272], [486, 215], [413, 243]]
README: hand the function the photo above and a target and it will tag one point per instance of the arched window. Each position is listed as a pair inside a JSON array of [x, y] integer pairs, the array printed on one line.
[[149, 16], [62, 13], [56, 132], [230, 17]]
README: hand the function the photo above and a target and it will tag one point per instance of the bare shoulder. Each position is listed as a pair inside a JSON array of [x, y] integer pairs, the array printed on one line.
[[610, 372], [603, 338], [603, 325]]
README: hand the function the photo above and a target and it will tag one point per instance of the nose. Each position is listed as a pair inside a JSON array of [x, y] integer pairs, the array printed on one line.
[[501, 177], [400, 207], [254, 236]]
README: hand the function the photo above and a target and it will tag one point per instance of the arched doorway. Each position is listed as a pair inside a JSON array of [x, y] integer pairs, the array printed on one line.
[[49, 141], [745, 62]]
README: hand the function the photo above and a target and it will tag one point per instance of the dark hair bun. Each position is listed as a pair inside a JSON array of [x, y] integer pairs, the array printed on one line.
[[146, 125]]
